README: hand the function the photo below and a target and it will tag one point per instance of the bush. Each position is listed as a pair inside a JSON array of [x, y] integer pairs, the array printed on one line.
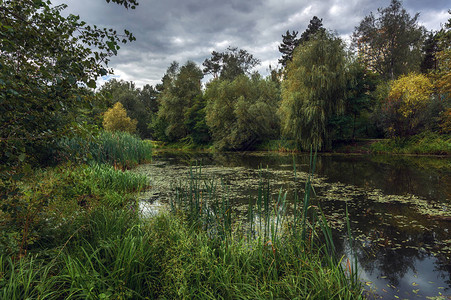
[[116, 119]]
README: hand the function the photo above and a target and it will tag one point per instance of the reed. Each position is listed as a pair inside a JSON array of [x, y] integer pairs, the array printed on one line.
[[270, 231], [120, 149]]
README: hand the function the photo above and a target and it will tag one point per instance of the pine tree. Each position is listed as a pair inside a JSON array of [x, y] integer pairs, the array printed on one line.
[[315, 25], [289, 42]]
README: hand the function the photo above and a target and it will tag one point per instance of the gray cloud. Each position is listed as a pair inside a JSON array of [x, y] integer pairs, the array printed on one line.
[[184, 30]]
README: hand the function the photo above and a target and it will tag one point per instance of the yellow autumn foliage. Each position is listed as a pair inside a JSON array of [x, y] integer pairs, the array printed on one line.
[[412, 91], [116, 119]]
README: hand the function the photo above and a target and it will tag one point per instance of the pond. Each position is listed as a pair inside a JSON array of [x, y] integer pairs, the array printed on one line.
[[399, 207]]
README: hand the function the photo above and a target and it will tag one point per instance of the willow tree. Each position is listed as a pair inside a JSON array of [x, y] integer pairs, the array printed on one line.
[[313, 90], [242, 112]]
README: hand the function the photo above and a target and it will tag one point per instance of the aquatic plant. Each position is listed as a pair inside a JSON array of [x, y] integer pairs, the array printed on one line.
[[120, 149], [268, 223]]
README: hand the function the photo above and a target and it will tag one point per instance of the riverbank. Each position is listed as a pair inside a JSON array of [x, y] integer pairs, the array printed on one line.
[[427, 143]]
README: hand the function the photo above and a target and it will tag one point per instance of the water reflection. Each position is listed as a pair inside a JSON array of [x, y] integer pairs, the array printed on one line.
[[399, 207]]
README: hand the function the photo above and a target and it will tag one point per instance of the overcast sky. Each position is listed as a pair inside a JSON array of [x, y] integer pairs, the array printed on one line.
[[181, 30]]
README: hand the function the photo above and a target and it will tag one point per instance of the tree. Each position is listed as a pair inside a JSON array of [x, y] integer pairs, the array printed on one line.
[[355, 120], [181, 85], [116, 119], [45, 57], [444, 60], [315, 26], [195, 122], [242, 112], [126, 3], [314, 90], [430, 49], [139, 104], [289, 41], [406, 105], [390, 44], [230, 64]]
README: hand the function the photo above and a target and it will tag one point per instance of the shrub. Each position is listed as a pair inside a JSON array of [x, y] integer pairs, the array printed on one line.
[[116, 119]]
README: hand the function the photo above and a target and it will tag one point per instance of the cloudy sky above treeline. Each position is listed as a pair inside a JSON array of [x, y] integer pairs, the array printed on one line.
[[181, 30]]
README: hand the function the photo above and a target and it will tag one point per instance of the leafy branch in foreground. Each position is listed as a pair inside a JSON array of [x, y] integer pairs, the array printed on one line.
[[45, 58]]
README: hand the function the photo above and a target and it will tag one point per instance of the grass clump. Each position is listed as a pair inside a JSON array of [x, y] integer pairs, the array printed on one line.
[[121, 149], [117, 254]]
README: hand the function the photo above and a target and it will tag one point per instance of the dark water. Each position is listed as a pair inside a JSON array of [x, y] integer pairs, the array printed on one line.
[[399, 209]]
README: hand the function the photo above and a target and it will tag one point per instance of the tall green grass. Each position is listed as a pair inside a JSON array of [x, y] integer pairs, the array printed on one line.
[[116, 148], [118, 255], [49, 200]]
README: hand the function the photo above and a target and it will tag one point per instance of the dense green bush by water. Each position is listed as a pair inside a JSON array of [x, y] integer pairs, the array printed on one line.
[[36, 206]]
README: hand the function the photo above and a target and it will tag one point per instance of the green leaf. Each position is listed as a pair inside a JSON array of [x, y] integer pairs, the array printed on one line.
[[22, 157], [91, 83]]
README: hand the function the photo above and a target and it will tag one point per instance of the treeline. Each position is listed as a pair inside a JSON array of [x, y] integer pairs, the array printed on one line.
[[394, 81]]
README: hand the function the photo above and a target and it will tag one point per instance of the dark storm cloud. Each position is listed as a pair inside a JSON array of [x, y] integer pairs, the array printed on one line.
[[184, 30]]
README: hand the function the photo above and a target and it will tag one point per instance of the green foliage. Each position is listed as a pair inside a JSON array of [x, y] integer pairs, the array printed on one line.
[[115, 253], [230, 64], [140, 104], [195, 122], [45, 57], [52, 197], [120, 149], [181, 86], [289, 41], [390, 44], [116, 119], [443, 82], [314, 90], [355, 121], [242, 112], [424, 143], [430, 50]]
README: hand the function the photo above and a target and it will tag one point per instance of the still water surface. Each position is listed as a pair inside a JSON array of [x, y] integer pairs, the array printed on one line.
[[400, 208]]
